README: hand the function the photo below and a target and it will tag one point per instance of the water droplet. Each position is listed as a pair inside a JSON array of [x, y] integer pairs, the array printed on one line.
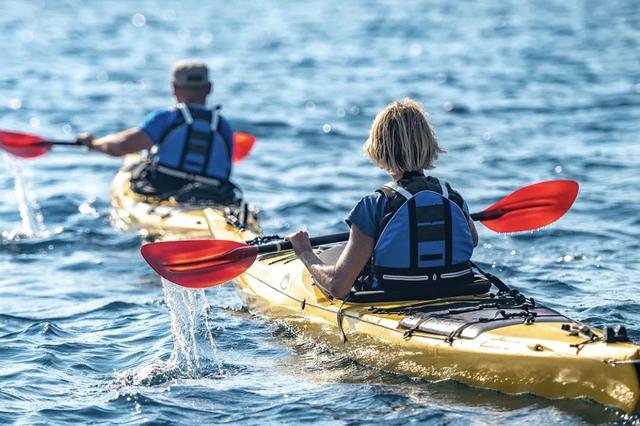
[[102, 76], [171, 15], [310, 106], [558, 169], [326, 128], [415, 49], [354, 110], [34, 122], [340, 112], [67, 129], [205, 38], [15, 103], [513, 252], [138, 20], [486, 136], [87, 208], [27, 36], [448, 106]]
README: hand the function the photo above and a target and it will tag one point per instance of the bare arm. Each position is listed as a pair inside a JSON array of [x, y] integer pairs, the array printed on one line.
[[335, 280], [118, 144]]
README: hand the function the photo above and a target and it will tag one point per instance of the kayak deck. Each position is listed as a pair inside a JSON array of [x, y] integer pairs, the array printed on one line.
[[544, 353], [167, 217]]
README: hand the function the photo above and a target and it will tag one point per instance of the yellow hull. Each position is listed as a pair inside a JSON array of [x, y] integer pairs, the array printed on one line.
[[538, 358], [165, 218]]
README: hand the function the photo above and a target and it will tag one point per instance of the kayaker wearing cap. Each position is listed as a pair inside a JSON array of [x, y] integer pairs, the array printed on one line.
[[414, 231], [189, 143]]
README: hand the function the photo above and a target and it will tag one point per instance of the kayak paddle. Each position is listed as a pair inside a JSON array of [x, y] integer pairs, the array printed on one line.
[[206, 263], [26, 145], [242, 145], [530, 207]]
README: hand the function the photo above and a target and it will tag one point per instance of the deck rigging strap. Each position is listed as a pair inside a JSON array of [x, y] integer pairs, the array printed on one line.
[[500, 285]]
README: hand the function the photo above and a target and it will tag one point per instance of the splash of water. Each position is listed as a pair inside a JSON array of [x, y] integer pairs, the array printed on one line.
[[30, 213], [194, 349], [194, 353]]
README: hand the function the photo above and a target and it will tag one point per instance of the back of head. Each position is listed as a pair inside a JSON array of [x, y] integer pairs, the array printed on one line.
[[401, 139], [191, 78]]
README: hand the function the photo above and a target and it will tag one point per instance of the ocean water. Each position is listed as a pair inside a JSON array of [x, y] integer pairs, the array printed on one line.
[[519, 92]]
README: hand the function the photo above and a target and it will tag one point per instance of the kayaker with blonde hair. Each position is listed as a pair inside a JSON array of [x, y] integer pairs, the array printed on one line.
[[414, 231]]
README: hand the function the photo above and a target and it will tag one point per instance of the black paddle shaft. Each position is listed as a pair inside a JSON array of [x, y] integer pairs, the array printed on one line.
[[316, 241], [344, 236], [68, 143], [487, 215]]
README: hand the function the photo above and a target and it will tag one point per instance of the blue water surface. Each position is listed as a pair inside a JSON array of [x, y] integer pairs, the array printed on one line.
[[519, 92]]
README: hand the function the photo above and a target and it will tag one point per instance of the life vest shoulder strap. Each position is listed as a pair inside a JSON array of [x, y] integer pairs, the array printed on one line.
[[393, 186], [397, 195]]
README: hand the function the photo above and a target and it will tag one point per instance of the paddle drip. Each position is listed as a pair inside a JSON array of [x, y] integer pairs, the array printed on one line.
[[194, 349], [194, 353], [32, 219]]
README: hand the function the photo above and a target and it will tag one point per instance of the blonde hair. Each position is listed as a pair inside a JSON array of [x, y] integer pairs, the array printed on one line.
[[401, 139]]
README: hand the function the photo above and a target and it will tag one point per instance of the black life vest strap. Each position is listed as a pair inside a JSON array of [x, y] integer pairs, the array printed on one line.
[[448, 233], [188, 118], [215, 122], [413, 233]]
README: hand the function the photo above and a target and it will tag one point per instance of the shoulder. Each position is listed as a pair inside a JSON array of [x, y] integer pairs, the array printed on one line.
[[156, 122], [368, 213], [161, 114], [159, 117], [373, 200]]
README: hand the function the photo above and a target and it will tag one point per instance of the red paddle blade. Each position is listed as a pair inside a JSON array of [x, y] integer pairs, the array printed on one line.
[[532, 207], [242, 144], [23, 145], [199, 263]]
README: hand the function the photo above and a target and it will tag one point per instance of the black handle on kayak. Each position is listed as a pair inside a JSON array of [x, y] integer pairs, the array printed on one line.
[[316, 241]]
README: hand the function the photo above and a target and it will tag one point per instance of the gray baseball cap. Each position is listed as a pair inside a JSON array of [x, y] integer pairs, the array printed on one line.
[[190, 73]]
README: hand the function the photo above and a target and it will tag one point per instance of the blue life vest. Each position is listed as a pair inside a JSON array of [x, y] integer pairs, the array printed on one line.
[[193, 148], [423, 238]]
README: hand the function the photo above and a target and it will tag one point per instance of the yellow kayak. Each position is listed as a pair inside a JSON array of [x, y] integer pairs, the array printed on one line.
[[501, 341], [168, 217], [504, 342]]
